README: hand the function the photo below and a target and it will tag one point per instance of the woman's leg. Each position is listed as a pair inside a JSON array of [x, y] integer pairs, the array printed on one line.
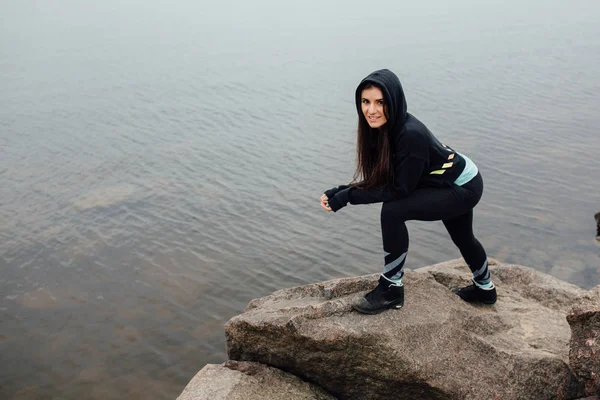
[[426, 204], [395, 245], [461, 232]]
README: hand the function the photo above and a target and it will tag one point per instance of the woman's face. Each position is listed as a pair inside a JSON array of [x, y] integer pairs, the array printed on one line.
[[373, 107]]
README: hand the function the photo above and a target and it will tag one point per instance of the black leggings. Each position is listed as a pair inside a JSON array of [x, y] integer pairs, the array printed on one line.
[[454, 206]]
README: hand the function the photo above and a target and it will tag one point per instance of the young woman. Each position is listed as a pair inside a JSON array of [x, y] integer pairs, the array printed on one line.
[[416, 177]]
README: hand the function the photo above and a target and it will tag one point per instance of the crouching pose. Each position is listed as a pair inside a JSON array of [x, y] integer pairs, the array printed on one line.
[[404, 166]]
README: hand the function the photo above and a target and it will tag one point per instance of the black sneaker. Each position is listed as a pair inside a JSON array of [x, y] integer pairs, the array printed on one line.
[[474, 294], [385, 296]]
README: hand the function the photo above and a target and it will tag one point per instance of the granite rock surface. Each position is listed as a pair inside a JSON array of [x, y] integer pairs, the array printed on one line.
[[436, 347]]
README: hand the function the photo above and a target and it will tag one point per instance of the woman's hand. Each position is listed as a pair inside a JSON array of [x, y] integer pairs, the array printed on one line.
[[324, 203]]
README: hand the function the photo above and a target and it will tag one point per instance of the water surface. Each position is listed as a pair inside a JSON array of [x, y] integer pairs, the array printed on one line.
[[161, 164]]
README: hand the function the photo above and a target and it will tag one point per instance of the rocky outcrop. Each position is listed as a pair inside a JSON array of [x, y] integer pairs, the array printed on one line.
[[307, 343], [584, 354], [249, 381], [436, 347]]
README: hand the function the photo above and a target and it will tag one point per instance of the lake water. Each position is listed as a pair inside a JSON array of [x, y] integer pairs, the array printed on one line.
[[161, 164]]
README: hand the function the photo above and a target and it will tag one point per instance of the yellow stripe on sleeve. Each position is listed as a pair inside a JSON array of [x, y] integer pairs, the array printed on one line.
[[437, 172]]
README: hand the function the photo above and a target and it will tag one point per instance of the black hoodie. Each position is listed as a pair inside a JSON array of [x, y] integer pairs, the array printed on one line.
[[419, 158]]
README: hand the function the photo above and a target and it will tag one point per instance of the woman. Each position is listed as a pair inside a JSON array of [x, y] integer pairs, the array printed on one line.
[[416, 177]]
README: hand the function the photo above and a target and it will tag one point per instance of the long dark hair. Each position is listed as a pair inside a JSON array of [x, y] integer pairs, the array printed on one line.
[[373, 152]]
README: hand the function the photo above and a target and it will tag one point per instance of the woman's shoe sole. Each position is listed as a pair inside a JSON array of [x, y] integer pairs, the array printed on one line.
[[373, 312]]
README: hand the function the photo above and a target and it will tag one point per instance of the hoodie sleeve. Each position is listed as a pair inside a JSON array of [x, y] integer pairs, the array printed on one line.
[[410, 160], [333, 191]]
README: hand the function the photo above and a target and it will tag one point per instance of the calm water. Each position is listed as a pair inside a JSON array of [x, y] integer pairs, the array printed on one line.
[[161, 163]]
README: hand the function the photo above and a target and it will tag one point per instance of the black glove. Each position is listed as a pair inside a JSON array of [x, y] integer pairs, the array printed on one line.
[[333, 191], [340, 199]]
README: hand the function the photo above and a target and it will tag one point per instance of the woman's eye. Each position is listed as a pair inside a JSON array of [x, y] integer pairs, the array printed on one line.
[[380, 102], [365, 101]]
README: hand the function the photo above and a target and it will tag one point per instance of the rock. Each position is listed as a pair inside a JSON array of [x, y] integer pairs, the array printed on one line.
[[436, 347], [249, 381], [597, 218], [584, 354]]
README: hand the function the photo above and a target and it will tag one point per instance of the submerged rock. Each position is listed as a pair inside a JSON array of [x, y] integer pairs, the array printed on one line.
[[436, 347]]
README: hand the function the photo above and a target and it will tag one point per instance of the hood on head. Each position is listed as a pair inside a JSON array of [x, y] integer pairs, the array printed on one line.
[[393, 95]]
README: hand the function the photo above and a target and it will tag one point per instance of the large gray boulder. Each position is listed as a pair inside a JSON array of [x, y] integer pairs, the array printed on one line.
[[584, 354], [248, 381], [436, 347]]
